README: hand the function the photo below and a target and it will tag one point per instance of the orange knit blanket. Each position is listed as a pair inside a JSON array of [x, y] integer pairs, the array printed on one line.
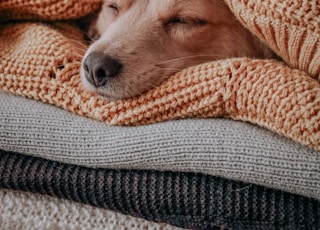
[[42, 61]]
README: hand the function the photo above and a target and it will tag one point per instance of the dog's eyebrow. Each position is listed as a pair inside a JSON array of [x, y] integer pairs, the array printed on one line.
[[121, 3], [180, 8]]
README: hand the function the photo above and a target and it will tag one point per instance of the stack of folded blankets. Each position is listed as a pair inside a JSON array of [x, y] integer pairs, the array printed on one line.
[[231, 144]]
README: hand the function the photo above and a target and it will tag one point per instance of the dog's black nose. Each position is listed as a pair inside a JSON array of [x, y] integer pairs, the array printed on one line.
[[98, 68]]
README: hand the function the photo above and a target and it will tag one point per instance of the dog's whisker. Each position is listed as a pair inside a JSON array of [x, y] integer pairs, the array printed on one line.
[[86, 34], [149, 52], [78, 43], [170, 69], [79, 49], [189, 57]]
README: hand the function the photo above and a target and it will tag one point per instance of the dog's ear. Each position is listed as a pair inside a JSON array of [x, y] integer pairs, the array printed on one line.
[[87, 24]]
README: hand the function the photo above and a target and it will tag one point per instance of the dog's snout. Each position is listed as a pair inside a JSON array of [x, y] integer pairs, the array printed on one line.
[[98, 68]]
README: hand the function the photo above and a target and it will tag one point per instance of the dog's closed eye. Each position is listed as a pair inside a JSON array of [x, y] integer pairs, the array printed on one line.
[[149, 40], [186, 22], [180, 27], [112, 8]]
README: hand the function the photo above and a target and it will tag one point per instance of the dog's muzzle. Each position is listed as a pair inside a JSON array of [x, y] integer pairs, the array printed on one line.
[[99, 68]]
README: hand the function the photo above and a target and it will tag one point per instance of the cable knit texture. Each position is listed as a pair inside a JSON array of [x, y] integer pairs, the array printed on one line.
[[42, 61]]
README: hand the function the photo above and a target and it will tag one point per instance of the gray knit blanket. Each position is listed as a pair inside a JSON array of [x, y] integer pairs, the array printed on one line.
[[217, 147]]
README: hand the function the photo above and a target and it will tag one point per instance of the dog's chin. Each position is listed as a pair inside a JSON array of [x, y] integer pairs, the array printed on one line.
[[111, 96], [104, 92], [86, 85]]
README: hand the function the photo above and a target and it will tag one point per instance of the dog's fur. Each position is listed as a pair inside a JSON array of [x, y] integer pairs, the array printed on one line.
[[140, 43]]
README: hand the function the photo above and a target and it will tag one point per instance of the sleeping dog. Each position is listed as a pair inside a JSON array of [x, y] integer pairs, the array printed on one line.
[[140, 43]]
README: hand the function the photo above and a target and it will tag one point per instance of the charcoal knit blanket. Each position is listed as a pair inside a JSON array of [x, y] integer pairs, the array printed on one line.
[[187, 200], [42, 61]]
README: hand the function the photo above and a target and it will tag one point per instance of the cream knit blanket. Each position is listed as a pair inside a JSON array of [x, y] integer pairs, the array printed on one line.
[[42, 61], [21, 210]]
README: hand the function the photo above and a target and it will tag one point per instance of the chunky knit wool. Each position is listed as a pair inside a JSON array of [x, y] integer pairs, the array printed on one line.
[[186, 200], [42, 61], [46, 10], [291, 28]]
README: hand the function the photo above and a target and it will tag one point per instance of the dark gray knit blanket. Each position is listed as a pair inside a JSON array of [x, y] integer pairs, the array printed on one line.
[[187, 200]]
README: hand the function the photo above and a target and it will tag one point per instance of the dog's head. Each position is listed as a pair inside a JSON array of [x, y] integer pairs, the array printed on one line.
[[140, 43]]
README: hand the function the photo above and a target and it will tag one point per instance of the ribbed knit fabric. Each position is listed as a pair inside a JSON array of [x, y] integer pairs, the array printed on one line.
[[42, 62], [182, 199], [46, 10], [218, 147], [29, 211], [291, 28]]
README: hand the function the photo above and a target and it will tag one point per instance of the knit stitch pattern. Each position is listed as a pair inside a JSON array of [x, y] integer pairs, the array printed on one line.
[[46, 10], [21, 210], [187, 200], [42, 62], [218, 147]]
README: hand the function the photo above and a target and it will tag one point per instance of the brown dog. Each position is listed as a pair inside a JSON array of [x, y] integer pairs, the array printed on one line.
[[140, 43]]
